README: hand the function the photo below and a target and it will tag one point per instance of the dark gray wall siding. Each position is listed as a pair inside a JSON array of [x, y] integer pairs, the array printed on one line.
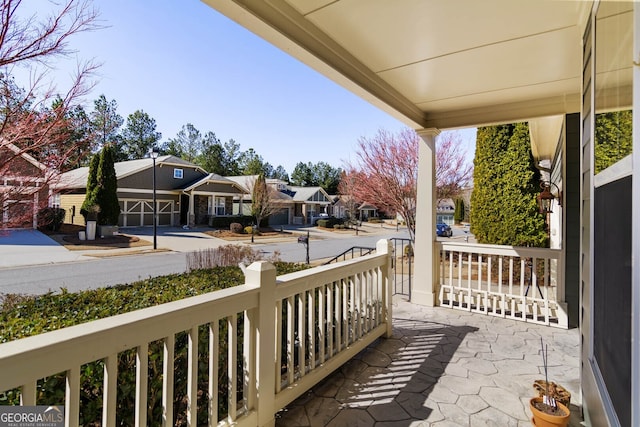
[[214, 187], [164, 178], [571, 202]]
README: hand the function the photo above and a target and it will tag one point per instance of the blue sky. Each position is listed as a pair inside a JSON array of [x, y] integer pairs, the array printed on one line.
[[182, 62]]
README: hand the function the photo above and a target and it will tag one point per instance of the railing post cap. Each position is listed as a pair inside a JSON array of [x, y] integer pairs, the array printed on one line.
[[261, 266], [383, 245]]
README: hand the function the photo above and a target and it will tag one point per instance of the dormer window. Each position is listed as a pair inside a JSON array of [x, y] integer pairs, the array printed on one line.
[[178, 173]]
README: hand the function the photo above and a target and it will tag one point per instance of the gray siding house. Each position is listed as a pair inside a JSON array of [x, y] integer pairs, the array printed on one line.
[[186, 194]]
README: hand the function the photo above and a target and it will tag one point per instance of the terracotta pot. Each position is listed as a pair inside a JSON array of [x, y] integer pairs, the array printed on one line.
[[542, 419], [556, 391]]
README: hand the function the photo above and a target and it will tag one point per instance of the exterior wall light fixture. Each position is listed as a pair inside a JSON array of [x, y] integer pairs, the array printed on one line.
[[546, 197]]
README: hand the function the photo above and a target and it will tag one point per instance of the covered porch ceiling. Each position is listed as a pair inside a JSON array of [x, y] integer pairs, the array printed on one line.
[[434, 63]]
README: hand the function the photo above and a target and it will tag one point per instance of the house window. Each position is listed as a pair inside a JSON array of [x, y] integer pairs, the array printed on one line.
[[55, 201], [178, 173], [220, 205]]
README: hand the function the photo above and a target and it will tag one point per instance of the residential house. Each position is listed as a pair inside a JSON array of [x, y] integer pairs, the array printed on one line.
[[366, 211], [186, 194], [445, 209], [298, 205], [24, 187], [344, 206]]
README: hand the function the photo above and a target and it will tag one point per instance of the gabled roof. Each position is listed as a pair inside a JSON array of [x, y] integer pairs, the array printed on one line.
[[77, 178], [17, 151], [367, 206], [217, 179], [245, 181], [302, 194]]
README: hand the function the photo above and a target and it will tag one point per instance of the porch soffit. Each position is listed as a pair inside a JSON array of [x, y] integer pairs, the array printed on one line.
[[428, 64]]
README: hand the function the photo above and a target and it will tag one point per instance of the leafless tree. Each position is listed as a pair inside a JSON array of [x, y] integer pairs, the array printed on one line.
[[386, 172], [264, 199], [37, 121]]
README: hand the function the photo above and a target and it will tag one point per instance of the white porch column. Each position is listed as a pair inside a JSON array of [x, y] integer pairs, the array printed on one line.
[[423, 286], [191, 217]]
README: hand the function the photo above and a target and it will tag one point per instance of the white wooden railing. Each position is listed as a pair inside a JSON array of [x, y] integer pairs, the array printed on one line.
[[525, 284], [296, 329]]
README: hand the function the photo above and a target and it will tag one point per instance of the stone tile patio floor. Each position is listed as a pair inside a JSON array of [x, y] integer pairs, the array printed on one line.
[[443, 367]]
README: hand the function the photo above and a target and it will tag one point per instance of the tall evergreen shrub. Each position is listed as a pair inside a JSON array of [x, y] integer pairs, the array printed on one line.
[[106, 194], [90, 202], [504, 209]]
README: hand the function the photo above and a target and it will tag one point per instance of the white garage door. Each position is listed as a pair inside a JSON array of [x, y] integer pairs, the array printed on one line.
[[136, 213]]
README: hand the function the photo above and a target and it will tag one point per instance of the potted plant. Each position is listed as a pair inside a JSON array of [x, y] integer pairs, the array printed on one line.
[[92, 220], [547, 409]]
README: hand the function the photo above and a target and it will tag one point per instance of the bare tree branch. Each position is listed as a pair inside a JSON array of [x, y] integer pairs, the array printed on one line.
[[37, 129], [386, 172]]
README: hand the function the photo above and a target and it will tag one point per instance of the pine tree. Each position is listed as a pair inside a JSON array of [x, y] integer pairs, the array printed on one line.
[[503, 203], [106, 194]]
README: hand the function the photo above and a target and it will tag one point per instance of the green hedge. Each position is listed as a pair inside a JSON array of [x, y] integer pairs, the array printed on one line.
[[224, 222], [51, 219], [23, 316], [329, 222]]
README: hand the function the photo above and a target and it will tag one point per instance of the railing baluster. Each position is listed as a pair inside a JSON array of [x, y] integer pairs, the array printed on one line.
[[511, 275], [232, 365], [359, 304], [367, 317], [214, 349], [373, 279], [338, 323], [142, 373], [72, 397], [522, 275], [167, 380], [279, 326], [321, 323], [290, 339], [109, 397], [344, 285], [546, 291], [500, 266], [311, 328], [479, 272], [192, 377], [249, 359], [330, 313], [354, 308], [28, 394], [489, 273], [469, 269], [302, 334]]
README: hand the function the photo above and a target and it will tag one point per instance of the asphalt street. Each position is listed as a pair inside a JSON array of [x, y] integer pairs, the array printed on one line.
[[32, 263]]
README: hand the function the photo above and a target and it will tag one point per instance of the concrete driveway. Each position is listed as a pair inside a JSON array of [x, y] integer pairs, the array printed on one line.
[[31, 247], [19, 248]]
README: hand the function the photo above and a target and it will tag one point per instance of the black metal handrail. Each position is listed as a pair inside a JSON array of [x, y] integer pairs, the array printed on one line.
[[364, 250], [403, 249]]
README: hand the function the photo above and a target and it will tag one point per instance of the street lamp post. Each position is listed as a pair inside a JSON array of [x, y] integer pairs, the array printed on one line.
[[153, 153]]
